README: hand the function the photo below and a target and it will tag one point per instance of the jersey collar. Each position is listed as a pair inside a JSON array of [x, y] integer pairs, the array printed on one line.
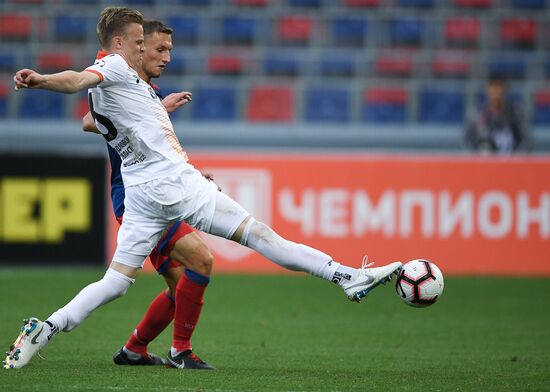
[[101, 54]]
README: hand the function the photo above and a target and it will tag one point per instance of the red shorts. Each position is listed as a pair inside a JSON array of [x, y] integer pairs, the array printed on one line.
[[160, 256]]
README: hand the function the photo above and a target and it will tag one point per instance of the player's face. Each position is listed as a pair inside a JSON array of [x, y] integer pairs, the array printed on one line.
[[496, 91], [132, 45], [157, 54]]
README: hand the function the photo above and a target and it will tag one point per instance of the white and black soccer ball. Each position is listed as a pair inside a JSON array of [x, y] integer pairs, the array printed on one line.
[[419, 283]]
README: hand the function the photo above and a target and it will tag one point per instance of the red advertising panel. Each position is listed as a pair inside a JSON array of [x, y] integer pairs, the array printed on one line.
[[487, 216]]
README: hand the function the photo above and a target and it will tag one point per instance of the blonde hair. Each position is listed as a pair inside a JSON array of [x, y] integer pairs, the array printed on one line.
[[113, 22]]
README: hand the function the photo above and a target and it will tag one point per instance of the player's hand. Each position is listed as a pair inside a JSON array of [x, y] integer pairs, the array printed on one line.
[[210, 177], [26, 78], [176, 100]]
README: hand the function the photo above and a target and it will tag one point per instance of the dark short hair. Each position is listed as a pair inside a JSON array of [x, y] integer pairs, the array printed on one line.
[[155, 26], [497, 77], [113, 22]]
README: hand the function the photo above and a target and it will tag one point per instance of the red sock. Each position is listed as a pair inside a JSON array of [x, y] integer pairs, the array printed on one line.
[[158, 317], [189, 300]]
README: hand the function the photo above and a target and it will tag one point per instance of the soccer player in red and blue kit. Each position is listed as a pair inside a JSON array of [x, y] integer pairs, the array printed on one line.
[[180, 256]]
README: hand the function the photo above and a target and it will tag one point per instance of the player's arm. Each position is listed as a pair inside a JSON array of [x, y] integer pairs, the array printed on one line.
[[63, 82], [176, 100], [88, 124]]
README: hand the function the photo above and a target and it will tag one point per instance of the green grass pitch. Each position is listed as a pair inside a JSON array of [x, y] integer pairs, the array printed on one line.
[[294, 333]]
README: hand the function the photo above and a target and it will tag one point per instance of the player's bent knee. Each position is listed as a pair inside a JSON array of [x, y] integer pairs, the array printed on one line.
[[204, 263]]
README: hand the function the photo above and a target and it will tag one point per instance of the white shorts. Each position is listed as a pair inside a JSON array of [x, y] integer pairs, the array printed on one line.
[[150, 208]]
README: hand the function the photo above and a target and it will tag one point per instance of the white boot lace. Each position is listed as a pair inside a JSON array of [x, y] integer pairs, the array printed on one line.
[[365, 263]]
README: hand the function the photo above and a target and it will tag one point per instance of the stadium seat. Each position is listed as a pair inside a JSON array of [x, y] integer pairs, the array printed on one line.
[[8, 62], [294, 30], [71, 28], [519, 33], [270, 103], [328, 105], [515, 97], [349, 31], [225, 64], [439, 105], [281, 65], [511, 67], [541, 108], [250, 3], [15, 26], [186, 29], [451, 65], [547, 68], [4, 91], [338, 66], [148, 3], [361, 3], [194, 3], [214, 104], [55, 62], [417, 3], [385, 105], [177, 65], [81, 2], [41, 104], [81, 107], [473, 3], [35, 2], [305, 3], [529, 4], [463, 32], [407, 31], [394, 64], [238, 30]]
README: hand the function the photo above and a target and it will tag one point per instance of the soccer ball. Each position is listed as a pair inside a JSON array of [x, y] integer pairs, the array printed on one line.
[[419, 283]]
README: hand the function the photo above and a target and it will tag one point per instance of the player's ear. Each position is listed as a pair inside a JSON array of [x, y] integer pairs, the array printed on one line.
[[116, 42]]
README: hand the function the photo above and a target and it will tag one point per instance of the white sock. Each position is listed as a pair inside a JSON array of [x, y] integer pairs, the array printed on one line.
[[132, 355], [288, 254], [174, 352], [344, 274], [113, 285]]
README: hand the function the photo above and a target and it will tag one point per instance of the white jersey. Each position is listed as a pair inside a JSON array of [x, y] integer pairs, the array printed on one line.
[[134, 122]]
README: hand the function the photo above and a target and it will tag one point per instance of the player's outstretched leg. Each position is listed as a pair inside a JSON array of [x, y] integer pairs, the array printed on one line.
[[356, 282]]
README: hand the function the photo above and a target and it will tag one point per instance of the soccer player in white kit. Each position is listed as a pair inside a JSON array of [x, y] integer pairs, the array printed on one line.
[[162, 187]]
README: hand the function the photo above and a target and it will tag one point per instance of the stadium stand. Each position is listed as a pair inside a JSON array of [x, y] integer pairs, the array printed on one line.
[[327, 105], [225, 64], [529, 4], [214, 104], [349, 31], [268, 103], [441, 105], [407, 31], [186, 29], [3, 100], [518, 33], [541, 107], [295, 30], [462, 32], [15, 26], [417, 48], [54, 62], [238, 30], [473, 3], [37, 104], [385, 105], [71, 28]]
